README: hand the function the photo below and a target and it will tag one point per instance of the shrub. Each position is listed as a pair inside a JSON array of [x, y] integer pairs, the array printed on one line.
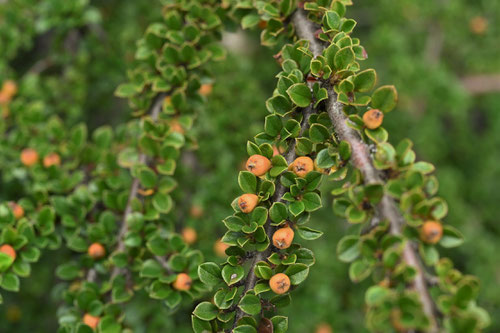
[[121, 199]]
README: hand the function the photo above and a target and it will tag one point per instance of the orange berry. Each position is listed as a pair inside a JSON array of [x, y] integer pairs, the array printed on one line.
[[189, 235], [247, 202], [13, 314], [9, 88], [29, 157], [279, 283], [91, 321], [478, 25], [258, 165], [283, 237], [51, 159], [4, 98], [206, 89], [176, 127], [276, 151], [8, 250], [373, 118], [182, 282], [96, 251], [262, 24], [302, 166], [431, 232], [324, 328], [196, 211], [17, 210], [220, 248]]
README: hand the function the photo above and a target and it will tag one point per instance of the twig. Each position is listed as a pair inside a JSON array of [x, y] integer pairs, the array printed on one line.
[[361, 159], [91, 275], [482, 83], [164, 264], [277, 197], [155, 112]]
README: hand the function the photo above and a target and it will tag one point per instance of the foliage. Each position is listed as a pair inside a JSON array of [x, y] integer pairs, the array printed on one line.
[[88, 197]]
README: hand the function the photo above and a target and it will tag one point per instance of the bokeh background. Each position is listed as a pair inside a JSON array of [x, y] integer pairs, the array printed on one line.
[[442, 55]]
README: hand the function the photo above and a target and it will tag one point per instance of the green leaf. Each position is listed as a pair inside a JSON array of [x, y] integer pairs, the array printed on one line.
[[300, 94], [330, 53], [127, 90], [312, 201], [263, 270], [173, 299], [345, 150], [348, 25], [22, 269], [451, 237], [147, 177], [247, 182], [10, 282], [151, 269], [280, 324], [297, 273], [162, 202], [348, 248], [296, 208], [232, 274], [278, 212], [359, 270], [365, 80], [206, 311], [45, 221], [332, 19], [279, 165], [234, 223], [343, 58], [5, 261], [68, 271], [374, 193], [423, 167], [273, 125], [375, 295], [309, 233], [159, 290], [244, 329], [200, 326], [355, 215], [223, 298], [279, 104], [250, 21], [318, 133], [250, 304], [210, 273], [324, 160], [384, 98]]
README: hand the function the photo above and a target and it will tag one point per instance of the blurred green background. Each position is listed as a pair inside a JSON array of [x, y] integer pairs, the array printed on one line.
[[441, 55]]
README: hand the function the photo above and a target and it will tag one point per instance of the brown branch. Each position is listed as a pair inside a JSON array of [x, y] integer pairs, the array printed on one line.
[[481, 83], [361, 159], [91, 275], [155, 113], [163, 262], [277, 197]]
